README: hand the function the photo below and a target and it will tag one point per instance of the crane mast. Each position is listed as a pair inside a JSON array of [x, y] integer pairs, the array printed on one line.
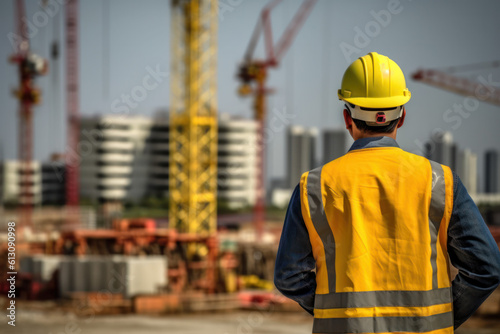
[[72, 102], [193, 117], [253, 77], [30, 66]]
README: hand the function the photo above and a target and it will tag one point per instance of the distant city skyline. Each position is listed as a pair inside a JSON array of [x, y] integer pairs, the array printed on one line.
[[301, 148], [117, 53], [443, 149], [492, 172]]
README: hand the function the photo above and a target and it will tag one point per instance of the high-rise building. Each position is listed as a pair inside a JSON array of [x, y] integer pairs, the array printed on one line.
[[237, 161], [440, 149], [122, 158], [466, 168], [47, 186], [334, 144], [492, 172], [301, 149], [455, 151], [126, 158], [10, 183], [53, 183]]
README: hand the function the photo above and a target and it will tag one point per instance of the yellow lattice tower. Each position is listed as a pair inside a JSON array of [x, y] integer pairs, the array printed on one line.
[[193, 117]]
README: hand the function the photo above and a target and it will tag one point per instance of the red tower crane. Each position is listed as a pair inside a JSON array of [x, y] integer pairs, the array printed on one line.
[[72, 102], [30, 66], [445, 79], [253, 76]]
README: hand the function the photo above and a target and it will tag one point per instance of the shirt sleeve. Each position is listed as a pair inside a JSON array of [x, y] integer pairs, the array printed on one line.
[[293, 274], [475, 254]]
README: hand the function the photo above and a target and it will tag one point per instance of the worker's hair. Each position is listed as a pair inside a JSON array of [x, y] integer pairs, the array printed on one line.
[[363, 126]]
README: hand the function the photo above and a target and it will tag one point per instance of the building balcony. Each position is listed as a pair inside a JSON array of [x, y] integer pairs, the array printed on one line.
[[118, 170], [110, 146], [115, 182]]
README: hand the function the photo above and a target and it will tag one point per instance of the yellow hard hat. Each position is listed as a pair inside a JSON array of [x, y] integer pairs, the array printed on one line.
[[374, 81]]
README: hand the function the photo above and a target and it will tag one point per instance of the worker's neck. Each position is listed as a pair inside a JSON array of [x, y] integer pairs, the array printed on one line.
[[360, 135]]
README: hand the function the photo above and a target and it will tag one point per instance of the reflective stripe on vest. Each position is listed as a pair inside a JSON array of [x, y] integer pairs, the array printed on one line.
[[384, 324], [320, 222], [344, 310], [436, 212]]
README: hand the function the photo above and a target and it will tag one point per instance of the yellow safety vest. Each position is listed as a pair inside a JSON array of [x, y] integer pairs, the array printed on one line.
[[377, 220]]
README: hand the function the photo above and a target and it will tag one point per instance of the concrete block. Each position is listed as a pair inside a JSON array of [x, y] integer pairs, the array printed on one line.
[[97, 274], [42, 267], [146, 275], [80, 277], [26, 264], [47, 266], [126, 275], [65, 278]]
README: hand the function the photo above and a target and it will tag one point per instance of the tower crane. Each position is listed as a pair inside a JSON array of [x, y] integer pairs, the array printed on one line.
[[193, 119], [30, 66], [447, 80], [72, 103], [253, 76]]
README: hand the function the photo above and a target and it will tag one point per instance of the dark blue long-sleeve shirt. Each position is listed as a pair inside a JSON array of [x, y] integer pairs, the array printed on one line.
[[471, 248]]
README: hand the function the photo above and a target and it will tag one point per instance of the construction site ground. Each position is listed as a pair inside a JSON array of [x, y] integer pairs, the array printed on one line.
[[47, 321]]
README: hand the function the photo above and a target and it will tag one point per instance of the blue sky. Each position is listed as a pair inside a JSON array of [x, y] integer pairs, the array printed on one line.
[[135, 35]]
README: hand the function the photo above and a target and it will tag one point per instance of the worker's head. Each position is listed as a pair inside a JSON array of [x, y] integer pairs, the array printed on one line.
[[374, 93]]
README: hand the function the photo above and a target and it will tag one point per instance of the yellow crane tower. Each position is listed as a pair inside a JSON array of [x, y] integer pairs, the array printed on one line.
[[193, 118]]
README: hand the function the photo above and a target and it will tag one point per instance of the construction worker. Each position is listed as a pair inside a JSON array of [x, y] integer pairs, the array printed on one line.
[[368, 237]]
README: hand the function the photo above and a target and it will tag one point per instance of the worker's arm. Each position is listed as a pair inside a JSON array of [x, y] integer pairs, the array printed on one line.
[[293, 274], [474, 252]]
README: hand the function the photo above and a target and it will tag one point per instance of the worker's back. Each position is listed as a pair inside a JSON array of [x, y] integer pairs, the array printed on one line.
[[377, 220], [368, 238]]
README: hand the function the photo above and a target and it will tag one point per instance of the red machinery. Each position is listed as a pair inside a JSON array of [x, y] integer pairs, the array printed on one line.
[[30, 66], [253, 75], [445, 79], [140, 236]]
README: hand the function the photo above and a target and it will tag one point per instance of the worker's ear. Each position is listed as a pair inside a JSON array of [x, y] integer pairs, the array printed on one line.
[[402, 119], [347, 120]]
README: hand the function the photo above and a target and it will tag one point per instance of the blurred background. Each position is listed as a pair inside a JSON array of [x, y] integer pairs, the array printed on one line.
[[148, 149]]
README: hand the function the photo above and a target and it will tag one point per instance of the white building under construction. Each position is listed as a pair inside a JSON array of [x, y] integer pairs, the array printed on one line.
[[126, 159], [45, 184]]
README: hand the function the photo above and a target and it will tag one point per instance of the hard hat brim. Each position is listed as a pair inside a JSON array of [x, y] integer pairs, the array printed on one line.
[[380, 102]]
